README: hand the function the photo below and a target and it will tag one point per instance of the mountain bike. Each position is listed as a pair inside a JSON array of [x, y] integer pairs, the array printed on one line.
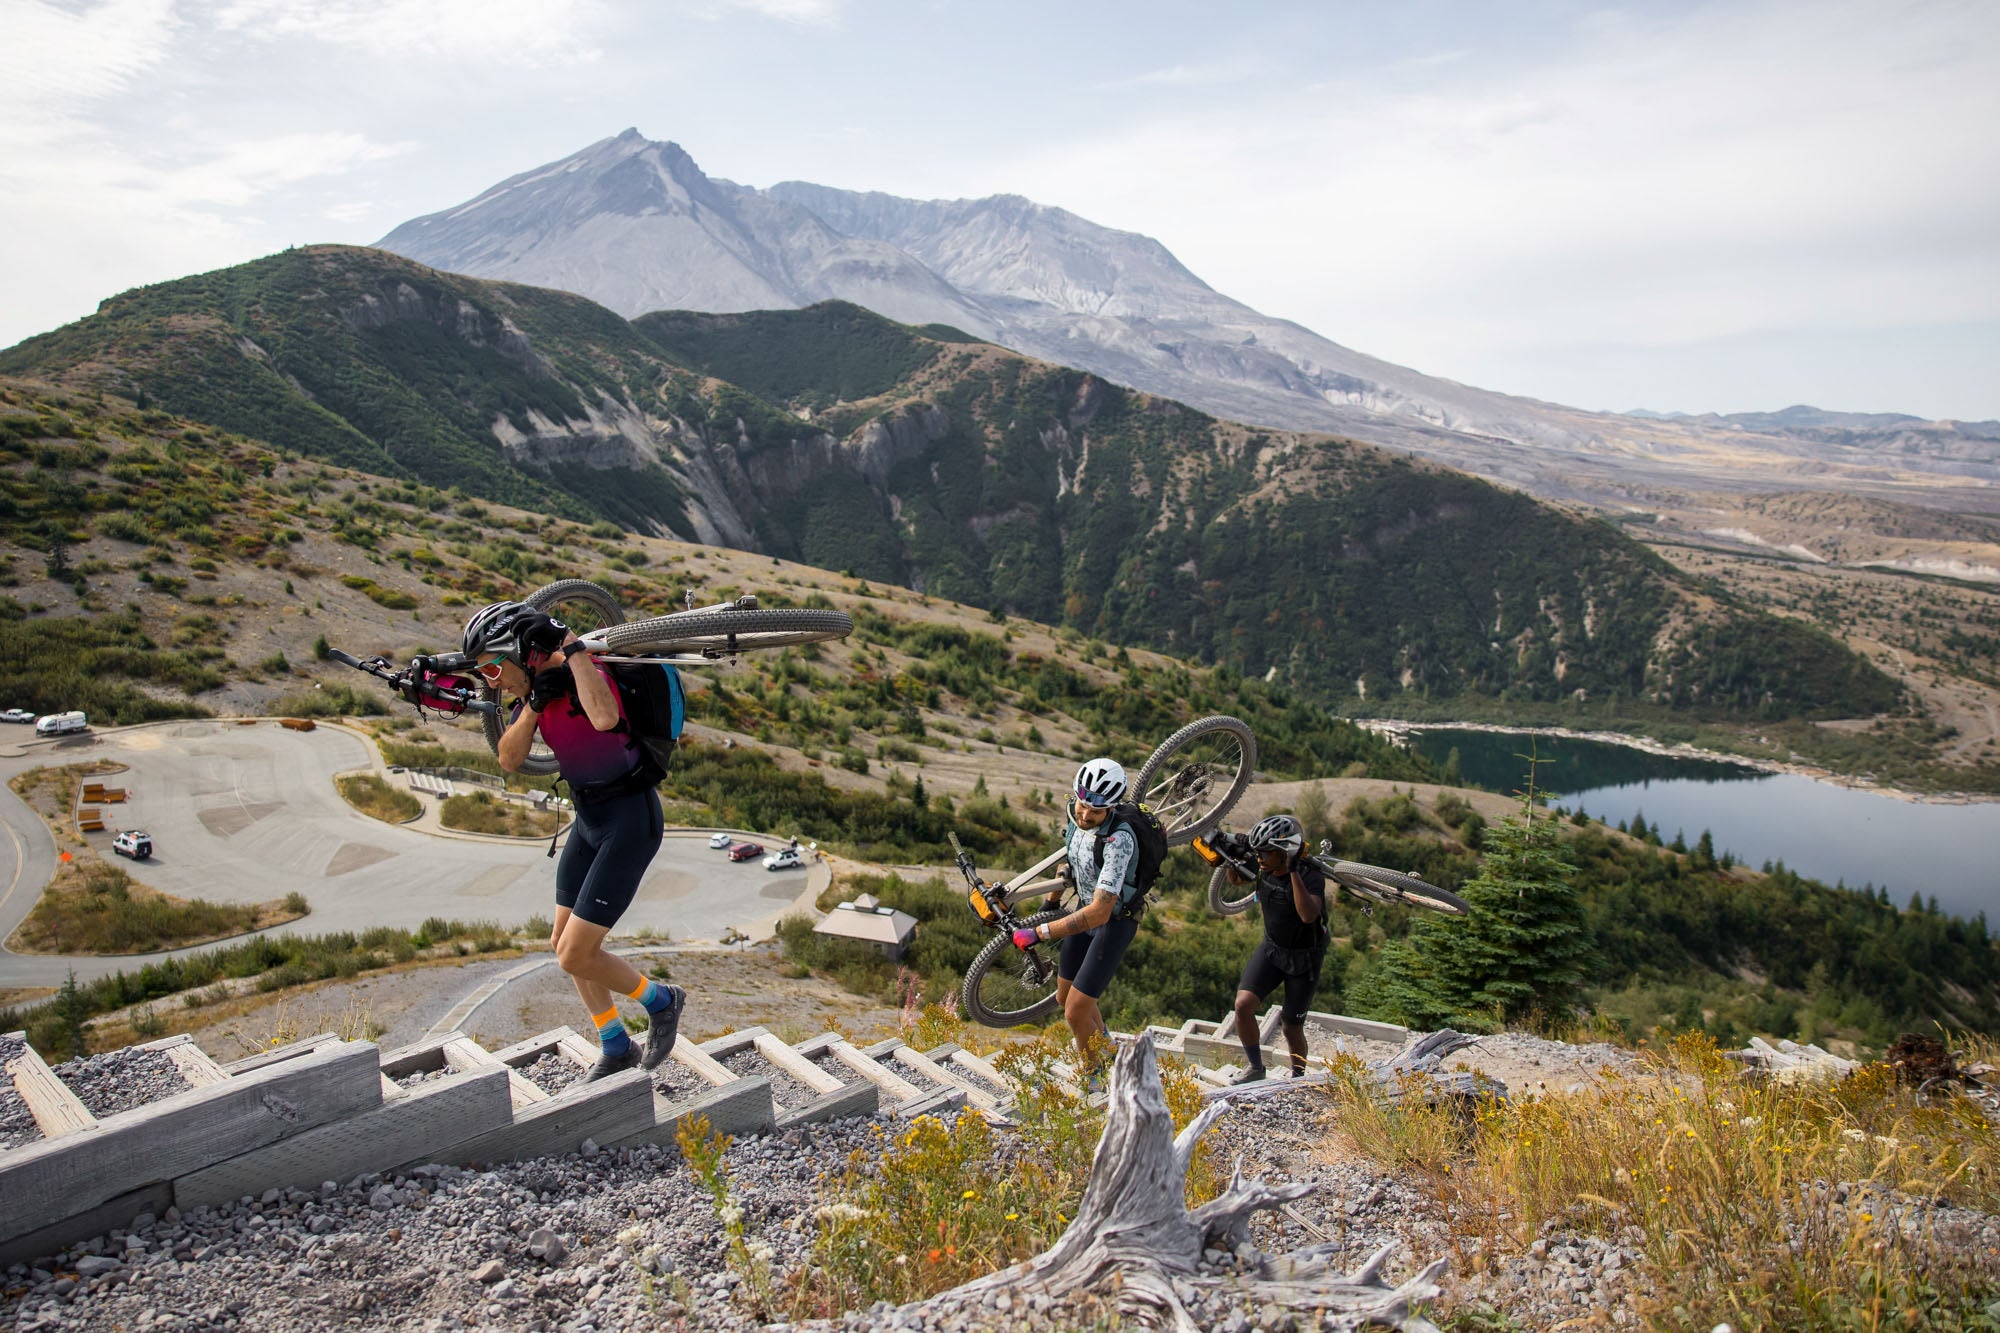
[[1373, 885], [445, 682], [1008, 987], [698, 635], [1189, 782], [1196, 775]]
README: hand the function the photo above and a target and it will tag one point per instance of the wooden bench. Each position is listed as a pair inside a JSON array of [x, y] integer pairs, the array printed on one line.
[[298, 724]]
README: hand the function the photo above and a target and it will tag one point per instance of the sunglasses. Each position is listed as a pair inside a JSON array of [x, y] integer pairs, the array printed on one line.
[[490, 671], [1090, 799]]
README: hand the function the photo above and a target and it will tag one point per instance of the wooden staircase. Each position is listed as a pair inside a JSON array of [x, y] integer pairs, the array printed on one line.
[[327, 1109]]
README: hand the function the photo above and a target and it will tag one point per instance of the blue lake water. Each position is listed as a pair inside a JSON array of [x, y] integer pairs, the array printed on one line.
[[1834, 834]]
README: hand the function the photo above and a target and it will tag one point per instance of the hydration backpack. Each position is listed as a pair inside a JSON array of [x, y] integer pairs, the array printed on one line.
[[655, 707], [1151, 838]]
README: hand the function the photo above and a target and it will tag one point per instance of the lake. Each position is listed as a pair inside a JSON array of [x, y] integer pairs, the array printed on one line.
[[1831, 833]]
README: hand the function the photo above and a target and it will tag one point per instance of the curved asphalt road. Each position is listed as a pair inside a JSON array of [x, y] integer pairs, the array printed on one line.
[[247, 813]]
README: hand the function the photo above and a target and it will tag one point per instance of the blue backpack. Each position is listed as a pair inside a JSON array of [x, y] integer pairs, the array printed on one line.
[[655, 707]]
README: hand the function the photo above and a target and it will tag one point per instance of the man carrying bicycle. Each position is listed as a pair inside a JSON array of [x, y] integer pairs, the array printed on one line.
[[1291, 890], [575, 706], [1093, 938]]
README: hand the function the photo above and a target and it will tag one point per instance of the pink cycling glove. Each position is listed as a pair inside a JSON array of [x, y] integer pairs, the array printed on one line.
[[1025, 938]]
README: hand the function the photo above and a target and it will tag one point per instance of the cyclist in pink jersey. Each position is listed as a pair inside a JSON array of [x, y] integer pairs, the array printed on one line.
[[574, 704]]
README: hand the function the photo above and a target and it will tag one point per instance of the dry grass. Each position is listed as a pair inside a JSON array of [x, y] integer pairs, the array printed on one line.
[[934, 1204], [479, 812], [1766, 1205], [94, 908], [287, 1023], [375, 798]]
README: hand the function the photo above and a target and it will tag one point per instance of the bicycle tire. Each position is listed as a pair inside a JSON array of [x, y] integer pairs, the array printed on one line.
[[604, 608], [1177, 796], [1219, 889], [1394, 887], [974, 995], [726, 633]]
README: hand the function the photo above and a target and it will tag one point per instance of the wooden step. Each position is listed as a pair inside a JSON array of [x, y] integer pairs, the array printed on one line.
[[907, 1096], [56, 1109], [50, 1189], [193, 1062], [983, 1101]]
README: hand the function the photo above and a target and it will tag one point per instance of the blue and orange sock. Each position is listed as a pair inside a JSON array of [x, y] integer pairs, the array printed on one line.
[[658, 999], [611, 1032]]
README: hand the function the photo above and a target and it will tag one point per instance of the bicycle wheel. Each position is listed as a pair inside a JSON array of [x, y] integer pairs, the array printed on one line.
[[1220, 889], [725, 633], [579, 604], [1196, 775], [1376, 884], [1007, 987]]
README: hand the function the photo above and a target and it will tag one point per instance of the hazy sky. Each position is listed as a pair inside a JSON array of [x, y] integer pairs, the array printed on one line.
[[1731, 206]]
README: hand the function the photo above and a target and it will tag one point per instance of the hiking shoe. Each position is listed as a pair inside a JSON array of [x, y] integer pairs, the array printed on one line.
[[607, 1065], [663, 1027], [1254, 1074]]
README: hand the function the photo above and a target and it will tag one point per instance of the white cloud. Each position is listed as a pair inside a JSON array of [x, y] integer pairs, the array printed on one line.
[[59, 58], [1666, 179], [516, 33], [816, 12]]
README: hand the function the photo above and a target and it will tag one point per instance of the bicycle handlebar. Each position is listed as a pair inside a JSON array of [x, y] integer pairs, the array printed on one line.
[[422, 681]]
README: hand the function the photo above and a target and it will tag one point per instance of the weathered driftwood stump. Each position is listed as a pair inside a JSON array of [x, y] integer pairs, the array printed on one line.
[[1134, 1237]]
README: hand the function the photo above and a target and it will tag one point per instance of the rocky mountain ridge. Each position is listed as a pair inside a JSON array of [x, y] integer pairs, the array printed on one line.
[[636, 225]]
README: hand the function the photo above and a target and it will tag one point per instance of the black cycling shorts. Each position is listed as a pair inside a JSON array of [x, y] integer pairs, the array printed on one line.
[[610, 846], [1297, 970], [1089, 961]]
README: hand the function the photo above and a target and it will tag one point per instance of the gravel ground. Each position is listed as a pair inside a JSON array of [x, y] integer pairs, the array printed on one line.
[[17, 1122], [553, 1072], [426, 1076], [120, 1080], [676, 1082], [786, 1091], [593, 1240]]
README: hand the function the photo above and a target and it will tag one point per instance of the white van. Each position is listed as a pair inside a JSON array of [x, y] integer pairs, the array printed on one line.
[[60, 724]]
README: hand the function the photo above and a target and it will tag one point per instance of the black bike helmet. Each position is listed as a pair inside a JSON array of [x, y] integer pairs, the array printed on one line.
[[1279, 833], [497, 629]]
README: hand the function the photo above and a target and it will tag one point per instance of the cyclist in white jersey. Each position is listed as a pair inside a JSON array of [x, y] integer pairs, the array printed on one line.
[[1094, 937]]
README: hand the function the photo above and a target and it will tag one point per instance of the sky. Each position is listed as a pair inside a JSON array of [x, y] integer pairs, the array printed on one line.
[[1674, 206]]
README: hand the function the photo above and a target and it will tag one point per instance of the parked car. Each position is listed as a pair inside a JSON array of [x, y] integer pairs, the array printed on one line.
[[17, 715], [61, 724], [744, 851], [788, 858], [133, 843], [720, 841]]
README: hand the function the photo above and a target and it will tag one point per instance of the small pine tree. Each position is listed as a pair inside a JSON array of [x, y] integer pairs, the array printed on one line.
[[1704, 851], [918, 797], [1524, 946]]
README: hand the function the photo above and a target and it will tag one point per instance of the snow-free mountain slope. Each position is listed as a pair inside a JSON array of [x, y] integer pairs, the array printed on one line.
[[635, 225]]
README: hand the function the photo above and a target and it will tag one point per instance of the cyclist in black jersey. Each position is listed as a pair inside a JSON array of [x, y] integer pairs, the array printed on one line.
[[1291, 890], [575, 706]]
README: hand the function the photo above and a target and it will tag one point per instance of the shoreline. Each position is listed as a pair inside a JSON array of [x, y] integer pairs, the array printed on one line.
[[1398, 730]]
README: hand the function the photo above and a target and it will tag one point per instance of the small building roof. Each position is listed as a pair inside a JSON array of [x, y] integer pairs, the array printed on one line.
[[880, 925]]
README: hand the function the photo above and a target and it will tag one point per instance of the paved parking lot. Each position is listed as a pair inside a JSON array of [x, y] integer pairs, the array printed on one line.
[[249, 813]]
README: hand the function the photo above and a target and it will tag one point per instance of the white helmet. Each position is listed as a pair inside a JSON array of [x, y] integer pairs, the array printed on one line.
[[1279, 833], [1101, 782]]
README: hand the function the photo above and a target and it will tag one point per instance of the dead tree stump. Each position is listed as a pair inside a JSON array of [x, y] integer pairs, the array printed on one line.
[[1133, 1238]]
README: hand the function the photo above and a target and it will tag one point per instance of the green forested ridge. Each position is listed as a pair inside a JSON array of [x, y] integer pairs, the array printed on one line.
[[825, 354], [1348, 574]]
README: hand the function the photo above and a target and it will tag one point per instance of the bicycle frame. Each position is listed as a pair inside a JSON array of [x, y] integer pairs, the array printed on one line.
[[994, 903]]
